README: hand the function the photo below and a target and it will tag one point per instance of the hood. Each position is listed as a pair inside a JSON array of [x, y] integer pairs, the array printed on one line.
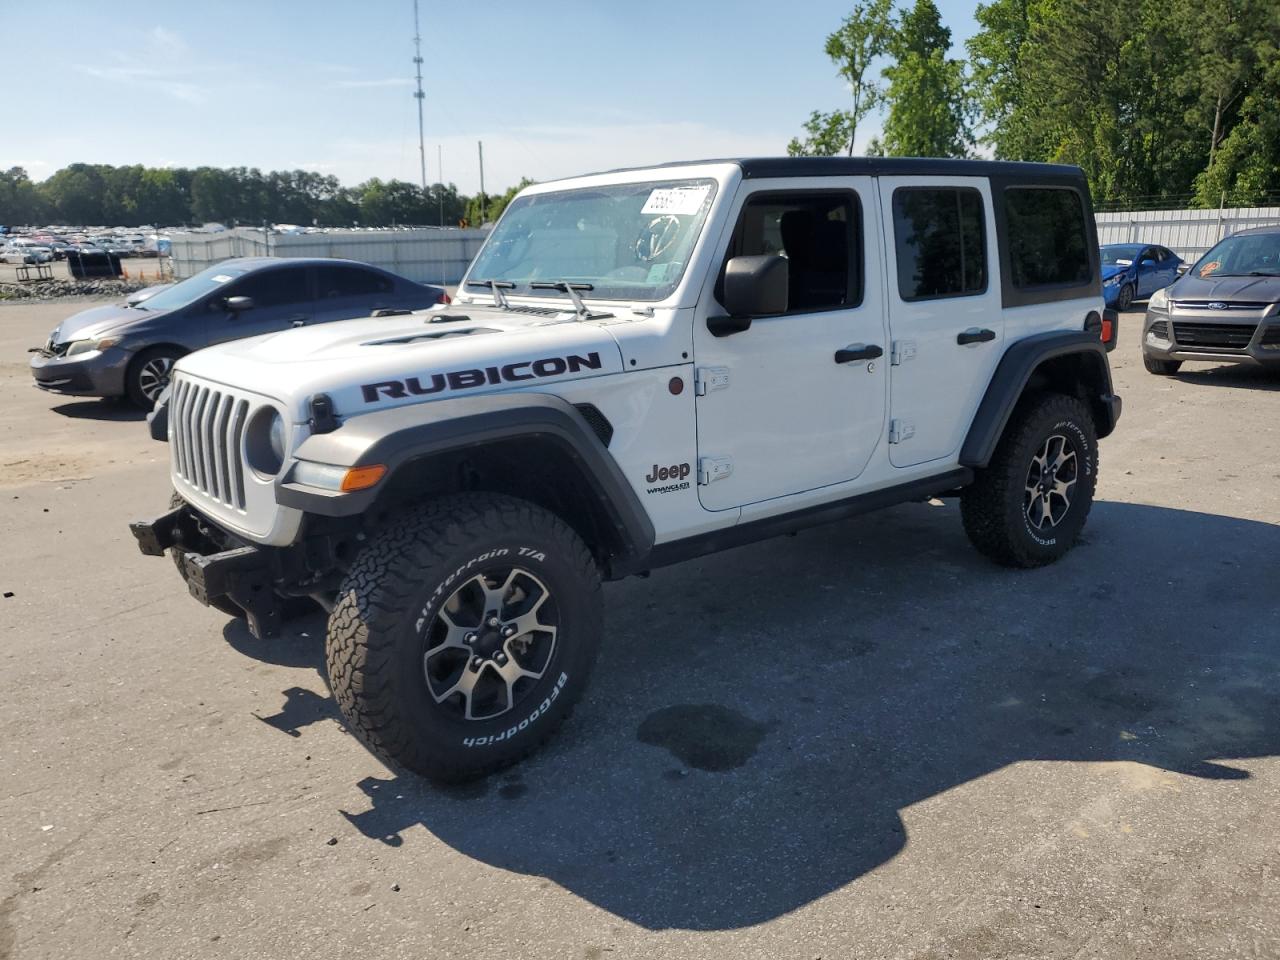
[[96, 321], [1109, 270], [1226, 289], [381, 362]]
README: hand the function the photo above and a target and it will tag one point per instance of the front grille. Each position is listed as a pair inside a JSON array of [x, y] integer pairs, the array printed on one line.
[[1230, 336], [1216, 305], [1160, 329], [208, 430]]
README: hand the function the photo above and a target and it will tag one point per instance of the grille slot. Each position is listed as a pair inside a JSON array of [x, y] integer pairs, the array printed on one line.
[[208, 430], [1271, 335], [1220, 305], [1230, 336]]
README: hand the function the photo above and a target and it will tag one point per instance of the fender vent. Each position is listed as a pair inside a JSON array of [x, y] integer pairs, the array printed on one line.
[[598, 422]]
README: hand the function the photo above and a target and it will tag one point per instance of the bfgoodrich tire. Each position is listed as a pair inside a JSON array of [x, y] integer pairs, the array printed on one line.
[[1028, 506], [464, 634]]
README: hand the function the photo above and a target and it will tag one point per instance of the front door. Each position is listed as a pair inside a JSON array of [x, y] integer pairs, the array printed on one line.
[[778, 411], [944, 310], [281, 298]]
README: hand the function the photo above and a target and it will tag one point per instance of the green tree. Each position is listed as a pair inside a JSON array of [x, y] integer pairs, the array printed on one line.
[[493, 204], [928, 108], [20, 201], [861, 40]]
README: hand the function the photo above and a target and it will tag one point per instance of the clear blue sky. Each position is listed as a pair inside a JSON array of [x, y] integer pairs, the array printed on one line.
[[552, 87]]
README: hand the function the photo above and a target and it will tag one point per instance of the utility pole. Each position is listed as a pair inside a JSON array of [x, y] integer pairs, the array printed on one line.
[[418, 94], [440, 170], [483, 205]]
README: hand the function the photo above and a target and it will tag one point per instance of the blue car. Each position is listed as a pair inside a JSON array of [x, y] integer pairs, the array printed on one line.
[[1134, 271]]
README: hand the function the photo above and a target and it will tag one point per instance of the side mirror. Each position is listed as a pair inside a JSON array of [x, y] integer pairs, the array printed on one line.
[[754, 286], [1183, 268], [1147, 262], [238, 304]]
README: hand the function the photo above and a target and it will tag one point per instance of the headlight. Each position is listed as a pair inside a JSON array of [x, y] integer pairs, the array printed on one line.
[[1159, 300], [90, 346], [265, 441], [1113, 280]]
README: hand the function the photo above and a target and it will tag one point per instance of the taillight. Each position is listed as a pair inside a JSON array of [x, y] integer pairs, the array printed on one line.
[[444, 298], [1107, 325]]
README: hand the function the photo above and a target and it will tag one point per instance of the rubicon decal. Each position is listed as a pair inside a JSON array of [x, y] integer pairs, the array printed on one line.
[[478, 377]]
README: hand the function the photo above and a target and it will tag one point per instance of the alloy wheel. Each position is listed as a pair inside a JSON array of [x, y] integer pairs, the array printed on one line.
[[490, 643], [1050, 479], [154, 376]]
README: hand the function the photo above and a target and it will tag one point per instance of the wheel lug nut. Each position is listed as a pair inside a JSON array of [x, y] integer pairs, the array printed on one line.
[[508, 631], [493, 621], [475, 663], [470, 638]]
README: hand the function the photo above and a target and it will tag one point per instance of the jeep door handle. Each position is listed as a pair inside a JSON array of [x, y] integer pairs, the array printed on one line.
[[300, 320], [858, 351], [975, 335]]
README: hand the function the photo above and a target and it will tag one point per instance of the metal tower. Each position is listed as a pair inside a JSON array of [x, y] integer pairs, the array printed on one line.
[[418, 94]]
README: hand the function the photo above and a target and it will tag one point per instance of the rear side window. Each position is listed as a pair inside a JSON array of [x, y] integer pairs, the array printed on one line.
[[940, 242], [273, 288], [1048, 242], [339, 281]]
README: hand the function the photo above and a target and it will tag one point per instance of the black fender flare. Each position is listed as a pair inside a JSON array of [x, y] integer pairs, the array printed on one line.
[[1013, 373], [399, 435]]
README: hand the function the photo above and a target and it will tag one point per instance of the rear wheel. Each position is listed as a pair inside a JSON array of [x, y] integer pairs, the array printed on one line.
[[464, 634], [1026, 508], [1161, 368], [149, 374]]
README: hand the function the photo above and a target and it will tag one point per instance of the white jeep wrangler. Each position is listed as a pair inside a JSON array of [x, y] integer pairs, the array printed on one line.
[[640, 367]]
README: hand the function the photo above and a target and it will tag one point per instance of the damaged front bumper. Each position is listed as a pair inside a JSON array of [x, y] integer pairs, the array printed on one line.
[[219, 567]]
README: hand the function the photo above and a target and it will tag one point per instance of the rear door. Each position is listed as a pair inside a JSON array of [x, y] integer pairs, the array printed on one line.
[[944, 310], [783, 406], [347, 290]]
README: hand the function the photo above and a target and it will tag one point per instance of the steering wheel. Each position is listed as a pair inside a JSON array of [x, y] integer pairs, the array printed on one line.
[[657, 237]]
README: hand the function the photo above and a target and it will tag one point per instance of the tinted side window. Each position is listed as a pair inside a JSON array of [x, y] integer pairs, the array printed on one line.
[[820, 234], [274, 288], [1048, 242], [940, 242], [340, 281]]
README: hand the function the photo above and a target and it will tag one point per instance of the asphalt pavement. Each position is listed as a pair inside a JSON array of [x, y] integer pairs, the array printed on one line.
[[863, 741]]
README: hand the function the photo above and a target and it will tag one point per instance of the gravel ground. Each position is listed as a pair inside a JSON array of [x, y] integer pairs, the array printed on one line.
[[863, 741]]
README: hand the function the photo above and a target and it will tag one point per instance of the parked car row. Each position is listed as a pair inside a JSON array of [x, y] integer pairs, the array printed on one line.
[[127, 349]]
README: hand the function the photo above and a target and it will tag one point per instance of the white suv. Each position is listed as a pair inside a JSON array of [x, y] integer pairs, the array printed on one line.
[[641, 366]]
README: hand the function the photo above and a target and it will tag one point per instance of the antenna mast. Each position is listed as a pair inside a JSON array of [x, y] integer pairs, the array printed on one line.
[[418, 94]]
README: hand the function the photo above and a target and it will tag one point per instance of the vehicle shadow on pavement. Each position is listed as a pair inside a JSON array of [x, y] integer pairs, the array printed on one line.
[[1235, 375], [112, 410], [758, 719]]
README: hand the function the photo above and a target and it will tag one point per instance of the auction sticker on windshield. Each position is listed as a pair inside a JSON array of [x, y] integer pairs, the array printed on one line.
[[682, 201], [221, 278]]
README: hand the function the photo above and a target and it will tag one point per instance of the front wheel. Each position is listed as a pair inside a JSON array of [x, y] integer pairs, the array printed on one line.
[[1161, 368], [1124, 299], [1026, 508], [464, 634], [148, 375]]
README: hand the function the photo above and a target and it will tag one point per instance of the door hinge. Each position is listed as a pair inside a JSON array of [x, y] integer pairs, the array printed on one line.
[[900, 430], [902, 351], [711, 469], [710, 378]]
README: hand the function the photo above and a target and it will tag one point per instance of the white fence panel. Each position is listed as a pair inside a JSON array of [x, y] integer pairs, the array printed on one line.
[[427, 255], [1188, 233]]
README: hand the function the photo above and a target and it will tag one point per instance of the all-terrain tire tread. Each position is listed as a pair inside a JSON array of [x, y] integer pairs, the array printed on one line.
[[376, 593]]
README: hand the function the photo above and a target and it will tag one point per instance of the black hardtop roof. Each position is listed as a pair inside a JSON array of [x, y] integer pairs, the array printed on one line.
[[258, 263], [762, 167]]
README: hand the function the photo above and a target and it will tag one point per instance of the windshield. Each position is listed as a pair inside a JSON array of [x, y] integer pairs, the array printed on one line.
[[1242, 256], [629, 241], [193, 288], [1120, 254]]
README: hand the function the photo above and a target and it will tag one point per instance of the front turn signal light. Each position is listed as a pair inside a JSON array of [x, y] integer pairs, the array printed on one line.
[[362, 478]]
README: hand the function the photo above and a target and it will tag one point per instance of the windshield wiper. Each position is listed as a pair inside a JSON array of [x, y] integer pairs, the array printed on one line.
[[571, 288], [1263, 273], [495, 287]]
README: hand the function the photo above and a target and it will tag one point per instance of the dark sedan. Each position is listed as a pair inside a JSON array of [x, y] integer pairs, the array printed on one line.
[[128, 349]]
